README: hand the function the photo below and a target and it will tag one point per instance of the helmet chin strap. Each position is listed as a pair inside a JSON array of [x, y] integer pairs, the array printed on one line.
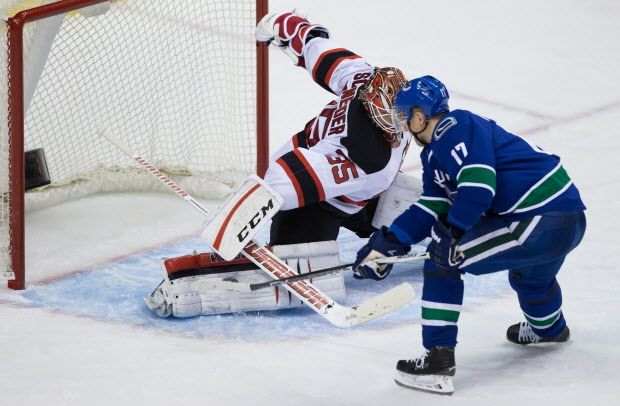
[[416, 135]]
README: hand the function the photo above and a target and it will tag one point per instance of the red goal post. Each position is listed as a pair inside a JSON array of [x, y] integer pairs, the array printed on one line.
[[183, 81]]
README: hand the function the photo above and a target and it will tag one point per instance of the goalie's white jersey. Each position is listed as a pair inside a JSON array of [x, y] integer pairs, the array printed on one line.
[[341, 157]]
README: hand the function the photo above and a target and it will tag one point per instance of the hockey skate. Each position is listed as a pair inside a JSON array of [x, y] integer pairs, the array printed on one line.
[[522, 333], [430, 372]]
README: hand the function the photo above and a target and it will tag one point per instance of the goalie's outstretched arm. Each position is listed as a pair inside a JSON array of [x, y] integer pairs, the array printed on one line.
[[310, 46]]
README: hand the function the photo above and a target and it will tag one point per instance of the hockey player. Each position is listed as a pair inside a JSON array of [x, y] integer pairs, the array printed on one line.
[[490, 202], [329, 175]]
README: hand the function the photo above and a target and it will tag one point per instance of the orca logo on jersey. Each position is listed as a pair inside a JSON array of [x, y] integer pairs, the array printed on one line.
[[443, 126], [442, 179], [255, 221]]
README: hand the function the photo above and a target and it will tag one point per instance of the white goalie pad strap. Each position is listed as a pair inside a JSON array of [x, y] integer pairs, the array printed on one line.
[[240, 217], [308, 257], [402, 193], [179, 298], [310, 250]]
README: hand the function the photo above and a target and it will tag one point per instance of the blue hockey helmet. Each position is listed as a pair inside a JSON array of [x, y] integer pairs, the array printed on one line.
[[426, 93]]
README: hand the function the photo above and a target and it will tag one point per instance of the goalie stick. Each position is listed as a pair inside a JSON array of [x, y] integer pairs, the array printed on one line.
[[219, 284], [338, 315]]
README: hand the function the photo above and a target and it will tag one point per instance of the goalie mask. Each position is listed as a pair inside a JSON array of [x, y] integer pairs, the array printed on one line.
[[377, 96]]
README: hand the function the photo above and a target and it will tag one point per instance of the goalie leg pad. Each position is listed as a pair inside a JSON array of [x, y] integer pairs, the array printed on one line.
[[176, 296], [312, 256]]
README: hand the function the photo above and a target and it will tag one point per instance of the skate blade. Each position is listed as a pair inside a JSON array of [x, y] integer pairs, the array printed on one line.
[[437, 384], [544, 344]]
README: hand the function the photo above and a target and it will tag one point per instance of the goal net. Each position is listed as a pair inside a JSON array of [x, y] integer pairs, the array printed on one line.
[[175, 79]]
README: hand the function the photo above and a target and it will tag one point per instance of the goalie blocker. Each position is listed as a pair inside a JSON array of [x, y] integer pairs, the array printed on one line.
[[178, 295], [240, 217]]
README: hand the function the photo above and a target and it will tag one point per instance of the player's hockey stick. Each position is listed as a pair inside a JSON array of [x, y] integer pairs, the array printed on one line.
[[338, 315], [206, 285]]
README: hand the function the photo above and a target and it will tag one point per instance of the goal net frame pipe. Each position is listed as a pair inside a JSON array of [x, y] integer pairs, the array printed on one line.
[[16, 115]]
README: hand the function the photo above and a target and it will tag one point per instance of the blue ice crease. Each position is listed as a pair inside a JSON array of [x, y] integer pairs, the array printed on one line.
[[114, 292]]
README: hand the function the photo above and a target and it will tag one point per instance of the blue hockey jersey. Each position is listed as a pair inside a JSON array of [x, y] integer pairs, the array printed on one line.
[[472, 166]]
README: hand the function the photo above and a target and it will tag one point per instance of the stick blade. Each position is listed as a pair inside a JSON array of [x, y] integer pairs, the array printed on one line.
[[373, 308], [385, 303], [107, 134]]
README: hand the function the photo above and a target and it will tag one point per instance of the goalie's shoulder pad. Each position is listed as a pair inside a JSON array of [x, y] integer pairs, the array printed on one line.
[[240, 217]]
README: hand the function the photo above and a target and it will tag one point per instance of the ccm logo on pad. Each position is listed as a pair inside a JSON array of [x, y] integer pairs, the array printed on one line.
[[255, 221]]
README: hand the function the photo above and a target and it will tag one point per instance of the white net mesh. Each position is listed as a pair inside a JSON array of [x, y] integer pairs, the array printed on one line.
[[174, 79]]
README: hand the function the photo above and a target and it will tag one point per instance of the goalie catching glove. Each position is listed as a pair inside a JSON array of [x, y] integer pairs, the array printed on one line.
[[289, 32], [383, 243]]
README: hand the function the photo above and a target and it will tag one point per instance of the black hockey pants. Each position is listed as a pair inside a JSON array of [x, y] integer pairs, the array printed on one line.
[[319, 222]]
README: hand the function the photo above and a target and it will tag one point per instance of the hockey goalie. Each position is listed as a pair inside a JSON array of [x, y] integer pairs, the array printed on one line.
[[339, 171]]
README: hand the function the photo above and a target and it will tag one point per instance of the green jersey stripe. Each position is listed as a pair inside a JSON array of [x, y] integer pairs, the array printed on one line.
[[480, 185], [548, 316], [440, 314], [521, 227], [437, 305], [439, 207], [498, 241], [483, 238], [478, 175], [489, 244], [548, 322], [545, 190], [490, 168]]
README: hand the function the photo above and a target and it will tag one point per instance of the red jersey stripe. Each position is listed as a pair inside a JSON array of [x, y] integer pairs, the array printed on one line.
[[345, 199], [320, 60], [331, 70], [296, 185], [315, 178]]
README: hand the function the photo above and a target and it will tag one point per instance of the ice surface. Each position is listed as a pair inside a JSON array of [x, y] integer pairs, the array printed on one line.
[[112, 291]]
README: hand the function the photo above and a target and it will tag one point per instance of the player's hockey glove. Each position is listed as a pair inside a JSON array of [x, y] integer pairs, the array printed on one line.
[[289, 32], [444, 247], [382, 243]]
